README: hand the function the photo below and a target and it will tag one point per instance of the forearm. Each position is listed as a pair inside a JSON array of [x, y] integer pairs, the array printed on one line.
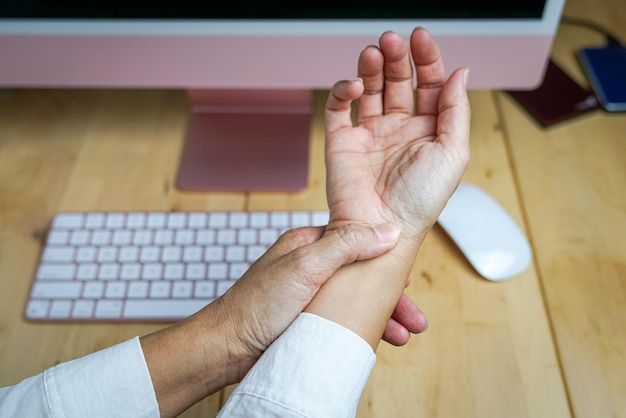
[[190, 360], [363, 295]]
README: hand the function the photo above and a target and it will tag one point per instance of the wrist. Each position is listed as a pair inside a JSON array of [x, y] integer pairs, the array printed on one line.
[[225, 358]]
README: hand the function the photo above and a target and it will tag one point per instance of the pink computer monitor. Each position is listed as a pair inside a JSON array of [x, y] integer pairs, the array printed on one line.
[[250, 80]]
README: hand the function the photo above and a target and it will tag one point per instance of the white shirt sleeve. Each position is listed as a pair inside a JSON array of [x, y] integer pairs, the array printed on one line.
[[114, 382], [317, 368]]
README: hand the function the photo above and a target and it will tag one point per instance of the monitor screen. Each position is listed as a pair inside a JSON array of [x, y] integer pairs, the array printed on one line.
[[259, 57], [274, 9]]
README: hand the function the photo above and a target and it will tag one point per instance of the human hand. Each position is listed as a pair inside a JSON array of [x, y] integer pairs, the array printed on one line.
[[269, 296], [396, 164], [217, 346]]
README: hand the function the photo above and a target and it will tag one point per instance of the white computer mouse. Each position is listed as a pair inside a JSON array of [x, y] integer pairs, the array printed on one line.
[[486, 234]]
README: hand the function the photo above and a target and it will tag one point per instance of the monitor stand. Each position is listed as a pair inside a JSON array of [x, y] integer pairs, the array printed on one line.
[[247, 140]]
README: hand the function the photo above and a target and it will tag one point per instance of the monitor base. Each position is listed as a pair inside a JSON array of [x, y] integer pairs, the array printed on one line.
[[242, 140]]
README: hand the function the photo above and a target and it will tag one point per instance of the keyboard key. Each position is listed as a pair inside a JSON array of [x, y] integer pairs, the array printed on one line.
[[156, 220], [37, 309], [130, 271], [138, 290], [108, 309], [60, 309], [87, 272], [182, 290], [80, 237], [143, 237], [279, 219], [299, 219], [109, 271], [184, 237], [86, 254], [58, 254], [197, 220], [218, 271], [152, 271], [218, 220], [56, 290], [164, 237], [58, 237], [129, 254], [160, 290], [177, 220], [247, 236], [259, 220], [115, 290], [136, 220], [175, 271], [150, 254], [167, 309], [83, 309], [235, 253], [214, 253], [195, 271], [68, 221], [171, 253], [226, 237], [64, 271], [238, 220], [115, 221], [93, 290], [107, 254], [121, 237], [192, 254], [101, 237], [205, 290], [95, 220], [205, 236]]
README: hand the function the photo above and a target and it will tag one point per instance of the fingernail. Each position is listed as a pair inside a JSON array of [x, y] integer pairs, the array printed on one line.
[[387, 232], [466, 76]]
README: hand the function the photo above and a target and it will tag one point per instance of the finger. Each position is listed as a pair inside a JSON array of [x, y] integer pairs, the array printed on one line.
[[338, 104], [344, 245], [398, 88], [453, 122], [430, 71], [409, 315], [292, 239], [370, 70], [395, 333]]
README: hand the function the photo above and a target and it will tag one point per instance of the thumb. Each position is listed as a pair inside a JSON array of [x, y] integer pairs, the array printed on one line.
[[352, 242], [344, 245]]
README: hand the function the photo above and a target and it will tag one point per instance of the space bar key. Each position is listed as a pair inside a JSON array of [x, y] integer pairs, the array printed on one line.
[[167, 309]]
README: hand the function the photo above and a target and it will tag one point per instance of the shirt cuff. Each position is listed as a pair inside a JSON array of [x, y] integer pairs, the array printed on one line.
[[316, 368], [114, 382]]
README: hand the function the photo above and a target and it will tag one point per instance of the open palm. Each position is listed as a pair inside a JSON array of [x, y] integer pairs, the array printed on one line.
[[397, 163]]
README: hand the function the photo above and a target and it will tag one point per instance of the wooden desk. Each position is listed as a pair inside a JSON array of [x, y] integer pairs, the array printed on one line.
[[549, 343]]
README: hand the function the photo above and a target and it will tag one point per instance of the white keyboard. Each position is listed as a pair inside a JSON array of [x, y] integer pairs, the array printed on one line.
[[149, 266]]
